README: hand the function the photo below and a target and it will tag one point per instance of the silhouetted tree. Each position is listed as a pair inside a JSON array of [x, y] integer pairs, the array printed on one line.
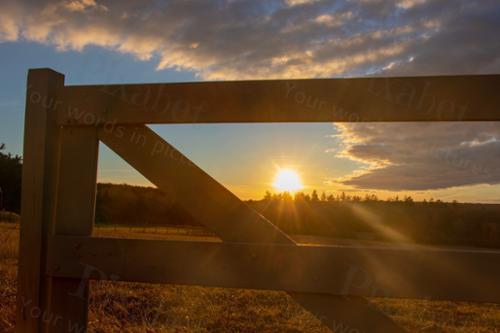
[[370, 197], [299, 197], [314, 196], [286, 196], [356, 198], [10, 180], [408, 199]]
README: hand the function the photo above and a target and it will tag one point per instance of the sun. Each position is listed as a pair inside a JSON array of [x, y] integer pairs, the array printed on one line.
[[287, 180]]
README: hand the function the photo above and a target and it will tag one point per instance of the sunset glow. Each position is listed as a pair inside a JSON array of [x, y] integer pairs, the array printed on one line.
[[287, 180]]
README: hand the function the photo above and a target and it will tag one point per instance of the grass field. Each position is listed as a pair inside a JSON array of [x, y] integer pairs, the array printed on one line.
[[133, 307]]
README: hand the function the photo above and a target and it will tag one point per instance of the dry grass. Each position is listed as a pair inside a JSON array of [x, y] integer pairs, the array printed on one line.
[[133, 307], [9, 239]]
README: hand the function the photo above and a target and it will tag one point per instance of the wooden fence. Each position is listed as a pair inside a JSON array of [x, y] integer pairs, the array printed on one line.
[[58, 256]]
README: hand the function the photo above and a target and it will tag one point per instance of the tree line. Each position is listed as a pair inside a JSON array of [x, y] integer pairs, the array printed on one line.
[[339, 215], [339, 197], [394, 220]]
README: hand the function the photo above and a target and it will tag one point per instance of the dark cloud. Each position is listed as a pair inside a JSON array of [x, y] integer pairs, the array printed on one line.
[[465, 41], [423, 156]]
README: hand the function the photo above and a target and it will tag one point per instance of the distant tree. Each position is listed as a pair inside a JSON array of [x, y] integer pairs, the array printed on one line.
[[286, 196], [408, 199], [314, 196], [268, 196], [10, 180], [323, 196], [356, 198], [371, 197], [299, 197]]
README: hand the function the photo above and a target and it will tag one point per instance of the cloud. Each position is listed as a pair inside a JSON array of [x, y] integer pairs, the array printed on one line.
[[273, 38], [83, 5], [422, 156], [292, 3], [464, 42]]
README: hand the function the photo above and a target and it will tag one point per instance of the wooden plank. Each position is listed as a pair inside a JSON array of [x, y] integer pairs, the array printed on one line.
[[410, 272], [437, 98], [217, 208], [38, 192], [76, 188]]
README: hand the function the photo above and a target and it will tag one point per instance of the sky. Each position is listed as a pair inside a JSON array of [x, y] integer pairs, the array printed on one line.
[[94, 42]]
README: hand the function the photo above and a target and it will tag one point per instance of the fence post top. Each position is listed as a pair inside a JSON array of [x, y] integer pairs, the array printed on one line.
[[49, 72]]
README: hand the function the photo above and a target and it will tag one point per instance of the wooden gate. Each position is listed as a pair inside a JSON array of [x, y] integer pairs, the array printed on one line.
[[58, 256]]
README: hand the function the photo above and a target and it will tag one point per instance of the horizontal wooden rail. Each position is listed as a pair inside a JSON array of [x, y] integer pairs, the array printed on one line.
[[413, 272], [445, 98]]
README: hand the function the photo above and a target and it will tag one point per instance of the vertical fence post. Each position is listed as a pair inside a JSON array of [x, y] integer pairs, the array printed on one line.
[[67, 299], [41, 142]]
